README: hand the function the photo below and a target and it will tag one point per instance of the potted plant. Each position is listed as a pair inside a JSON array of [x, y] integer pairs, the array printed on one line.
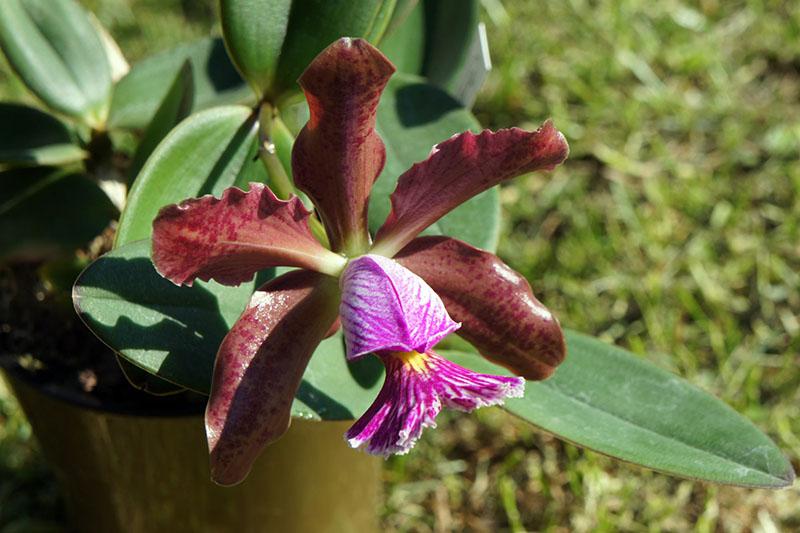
[[76, 161]]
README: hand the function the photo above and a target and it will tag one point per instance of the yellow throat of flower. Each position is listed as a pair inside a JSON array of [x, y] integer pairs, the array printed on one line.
[[417, 361]]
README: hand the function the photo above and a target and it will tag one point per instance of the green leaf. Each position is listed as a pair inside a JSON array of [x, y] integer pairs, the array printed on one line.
[[611, 401], [29, 136], [174, 332], [167, 330], [403, 9], [175, 107], [145, 381], [440, 41], [413, 116], [204, 154], [138, 95], [117, 64], [314, 24], [404, 44], [254, 31], [58, 53], [44, 212], [451, 44], [271, 42]]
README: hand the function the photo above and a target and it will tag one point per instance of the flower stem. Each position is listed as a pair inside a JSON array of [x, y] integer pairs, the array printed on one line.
[[318, 230], [279, 180]]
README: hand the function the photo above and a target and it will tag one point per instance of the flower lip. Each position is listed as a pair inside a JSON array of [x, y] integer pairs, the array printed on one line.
[[385, 306], [417, 386]]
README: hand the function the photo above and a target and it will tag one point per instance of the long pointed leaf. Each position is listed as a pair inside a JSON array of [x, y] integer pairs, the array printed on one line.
[[608, 400]]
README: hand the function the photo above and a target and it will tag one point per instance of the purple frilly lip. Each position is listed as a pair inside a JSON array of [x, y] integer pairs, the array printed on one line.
[[386, 307], [388, 310], [417, 386]]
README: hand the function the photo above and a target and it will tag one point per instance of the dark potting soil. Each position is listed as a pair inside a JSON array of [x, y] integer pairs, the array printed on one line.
[[44, 343]]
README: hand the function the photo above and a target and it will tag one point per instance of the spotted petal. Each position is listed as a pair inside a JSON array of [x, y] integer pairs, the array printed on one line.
[[416, 387], [232, 238], [458, 169], [338, 154], [500, 315], [387, 307], [259, 367]]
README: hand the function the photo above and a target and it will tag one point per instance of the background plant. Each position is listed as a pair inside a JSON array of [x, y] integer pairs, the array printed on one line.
[[79, 170]]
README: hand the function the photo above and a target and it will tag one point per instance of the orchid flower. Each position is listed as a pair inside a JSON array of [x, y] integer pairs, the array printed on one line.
[[395, 297]]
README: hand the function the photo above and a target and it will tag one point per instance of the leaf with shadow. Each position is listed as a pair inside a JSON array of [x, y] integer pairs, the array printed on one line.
[[366, 371], [332, 388], [171, 331], [421, 103], [174, 332], [321, 405], [177, 353], [145, 381], [227, 169], [205, 154]]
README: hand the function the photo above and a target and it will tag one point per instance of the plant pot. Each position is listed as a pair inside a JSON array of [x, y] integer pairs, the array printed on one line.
[[137, 473]]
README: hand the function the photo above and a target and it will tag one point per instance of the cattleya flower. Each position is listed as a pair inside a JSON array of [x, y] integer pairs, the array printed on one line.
[[394, 298]]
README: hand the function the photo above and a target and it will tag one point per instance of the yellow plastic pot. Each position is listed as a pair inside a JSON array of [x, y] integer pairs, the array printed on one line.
[[149, 474]]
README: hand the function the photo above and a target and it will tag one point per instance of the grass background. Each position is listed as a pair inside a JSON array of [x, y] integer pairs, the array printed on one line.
[[672, 230]]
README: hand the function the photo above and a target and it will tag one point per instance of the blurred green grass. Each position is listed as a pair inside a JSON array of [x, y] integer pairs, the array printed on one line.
[[671, 230]]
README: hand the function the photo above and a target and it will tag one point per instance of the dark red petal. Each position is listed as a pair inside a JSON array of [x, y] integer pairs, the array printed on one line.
[[259, 367], [498, 312], [458, 169], [232, 238], [338, 154]]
